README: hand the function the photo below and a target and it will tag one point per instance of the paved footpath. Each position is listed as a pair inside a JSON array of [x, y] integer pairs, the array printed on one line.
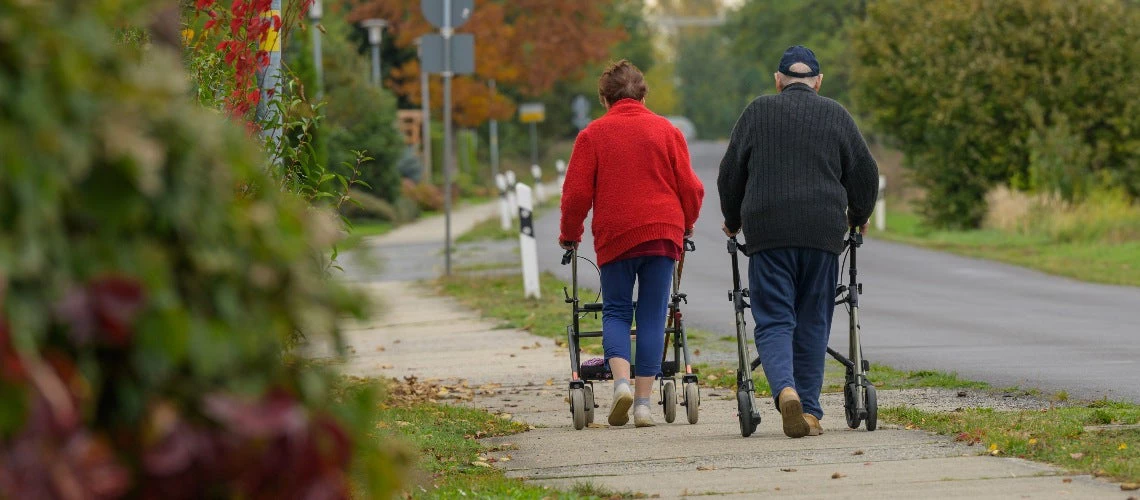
[[434, 338]]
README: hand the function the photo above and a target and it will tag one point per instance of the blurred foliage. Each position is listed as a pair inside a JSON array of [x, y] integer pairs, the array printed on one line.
[[152, 277], [715, 84], [1036, 94]]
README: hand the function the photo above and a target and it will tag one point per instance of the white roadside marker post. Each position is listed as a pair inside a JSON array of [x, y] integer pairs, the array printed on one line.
[[528, 247], [560, 166], [504, 205], [539, 191], [881, 205], [512, 197]]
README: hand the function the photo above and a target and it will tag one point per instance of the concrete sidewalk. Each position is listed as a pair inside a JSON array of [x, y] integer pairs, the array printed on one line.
[[421, 334]]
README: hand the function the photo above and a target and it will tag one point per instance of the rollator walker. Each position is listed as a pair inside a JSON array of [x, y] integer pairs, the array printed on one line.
[[583, 375], [860, 403]]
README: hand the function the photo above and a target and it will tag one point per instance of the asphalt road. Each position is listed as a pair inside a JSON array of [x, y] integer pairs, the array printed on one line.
[[921, 309]]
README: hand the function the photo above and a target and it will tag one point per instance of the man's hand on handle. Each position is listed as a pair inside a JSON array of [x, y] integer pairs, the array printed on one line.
[[730, 234]]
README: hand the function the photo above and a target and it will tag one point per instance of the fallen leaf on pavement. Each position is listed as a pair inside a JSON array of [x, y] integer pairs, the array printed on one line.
[[1067, 480], [705, 467], [549, 381], [909, 427], [505, 459], [1099, 473], [385, 367], [961, 394], [1076, 456], [380, 348], [838, 475], [1129, 486], [787, 470], [512, 355], [560, 343], [594, 425], [857, 452], [481, 464], [696, 352]]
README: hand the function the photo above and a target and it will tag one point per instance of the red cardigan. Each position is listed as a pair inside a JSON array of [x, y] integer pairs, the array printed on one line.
[[632, 167]]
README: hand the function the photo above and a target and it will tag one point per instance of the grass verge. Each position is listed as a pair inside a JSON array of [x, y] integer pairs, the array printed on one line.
[[501, 297], [884, 377], [1101, 438], [363, 228], [1100, 262], [449, 461], [491, 229]]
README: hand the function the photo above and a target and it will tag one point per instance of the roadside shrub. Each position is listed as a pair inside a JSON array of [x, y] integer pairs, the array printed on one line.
[[152, 277], [426, 196], [1037, 93]]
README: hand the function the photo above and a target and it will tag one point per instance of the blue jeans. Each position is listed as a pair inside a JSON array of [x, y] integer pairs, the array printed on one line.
[[654, 276], [793, 297]]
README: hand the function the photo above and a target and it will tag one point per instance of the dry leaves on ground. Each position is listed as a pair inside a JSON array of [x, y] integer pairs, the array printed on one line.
[[838, 475], [410, 391]]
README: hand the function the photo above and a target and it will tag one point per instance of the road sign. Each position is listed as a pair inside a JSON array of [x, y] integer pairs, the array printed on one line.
[[581, 107], [462, 53], [460, 12], [532, 112]]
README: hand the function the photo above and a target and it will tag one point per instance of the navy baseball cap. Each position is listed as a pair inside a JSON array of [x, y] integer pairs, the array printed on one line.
[[799, 54]]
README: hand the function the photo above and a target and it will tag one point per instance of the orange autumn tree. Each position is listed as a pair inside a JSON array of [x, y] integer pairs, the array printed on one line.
[[524, 45]]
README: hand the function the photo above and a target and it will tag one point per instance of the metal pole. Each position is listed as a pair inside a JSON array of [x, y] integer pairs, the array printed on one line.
[[446, 31], [494, 138], [376, 63], [271, 77], [318, 64], [533, 143], [425, 106]]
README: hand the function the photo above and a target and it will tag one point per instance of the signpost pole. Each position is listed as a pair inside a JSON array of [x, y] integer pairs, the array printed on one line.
[[446, 31], [534, 143], [425, 109]]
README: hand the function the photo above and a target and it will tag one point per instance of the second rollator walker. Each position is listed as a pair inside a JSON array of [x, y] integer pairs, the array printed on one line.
[[860, 402]]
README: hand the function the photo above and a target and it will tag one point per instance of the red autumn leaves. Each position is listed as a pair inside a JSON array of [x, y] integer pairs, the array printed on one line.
[[248, 28]]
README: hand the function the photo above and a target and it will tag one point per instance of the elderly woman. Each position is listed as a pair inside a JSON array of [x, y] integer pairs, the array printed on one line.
[[632, 167]]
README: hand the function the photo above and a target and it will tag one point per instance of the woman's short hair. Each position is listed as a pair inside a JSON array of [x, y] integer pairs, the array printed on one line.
[[622, 80]]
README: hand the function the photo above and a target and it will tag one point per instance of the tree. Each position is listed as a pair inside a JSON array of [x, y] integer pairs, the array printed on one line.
[[524, 45], [981, 93], [715, 86], [761, 29]]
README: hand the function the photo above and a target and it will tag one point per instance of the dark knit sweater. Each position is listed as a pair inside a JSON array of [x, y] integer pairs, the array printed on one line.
[[795, 163]]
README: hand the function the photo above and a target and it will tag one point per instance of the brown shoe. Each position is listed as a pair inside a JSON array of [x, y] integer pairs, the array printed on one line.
[[792, 412], [814, 429]]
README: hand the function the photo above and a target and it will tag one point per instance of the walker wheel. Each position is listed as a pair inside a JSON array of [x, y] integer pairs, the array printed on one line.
[[850, 395], [748, 418], [692, 401], [588, 393], [669, 400], [872, 404], [578, 407]]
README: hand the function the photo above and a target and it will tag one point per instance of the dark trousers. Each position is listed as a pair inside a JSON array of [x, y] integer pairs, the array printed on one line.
[[793, 297], [654, 276]]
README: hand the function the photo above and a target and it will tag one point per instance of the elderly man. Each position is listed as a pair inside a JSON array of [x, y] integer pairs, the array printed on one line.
[[796, 175]]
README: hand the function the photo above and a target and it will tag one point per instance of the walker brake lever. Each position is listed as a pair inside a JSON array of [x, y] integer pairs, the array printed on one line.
[[690, 246], [566, 257]]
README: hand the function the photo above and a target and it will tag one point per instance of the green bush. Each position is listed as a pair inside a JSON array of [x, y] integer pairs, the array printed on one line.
[[981, 93], [359, 116], [152, 276]]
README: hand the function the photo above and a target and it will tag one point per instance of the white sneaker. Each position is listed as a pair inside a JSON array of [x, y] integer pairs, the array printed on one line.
[[642, 416], [623, 399]]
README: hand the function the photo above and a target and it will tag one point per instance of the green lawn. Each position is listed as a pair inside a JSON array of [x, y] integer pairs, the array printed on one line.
[[369, 228], [1099, 438], [1112, 263]]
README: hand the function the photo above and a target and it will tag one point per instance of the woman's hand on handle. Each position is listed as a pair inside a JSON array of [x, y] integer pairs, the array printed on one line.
[[568, 245]]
